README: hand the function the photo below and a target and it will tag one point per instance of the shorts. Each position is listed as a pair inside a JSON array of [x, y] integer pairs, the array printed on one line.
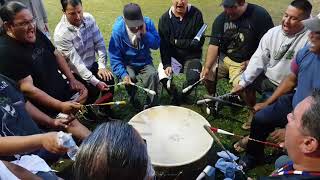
[[227, 69]]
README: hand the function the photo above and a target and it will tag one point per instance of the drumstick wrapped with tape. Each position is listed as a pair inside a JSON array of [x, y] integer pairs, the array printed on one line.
[[169, 82], [152, 92], [221, 131], [209, 130], [185, 90], [218, 99], [116, 103]]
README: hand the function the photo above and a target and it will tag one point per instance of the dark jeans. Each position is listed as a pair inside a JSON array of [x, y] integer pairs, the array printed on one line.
[[47, 175], [265, 121], [93, 92], [149, 77], [192, 69]]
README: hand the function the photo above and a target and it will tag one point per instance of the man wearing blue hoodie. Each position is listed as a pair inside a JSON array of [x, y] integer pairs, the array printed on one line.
[[129, 49]]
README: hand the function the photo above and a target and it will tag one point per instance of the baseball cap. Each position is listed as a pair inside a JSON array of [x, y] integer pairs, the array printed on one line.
[[229, 3], [133, 15], [313, 24]]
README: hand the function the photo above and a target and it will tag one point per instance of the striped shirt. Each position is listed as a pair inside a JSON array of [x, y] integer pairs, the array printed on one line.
[[80, 45]]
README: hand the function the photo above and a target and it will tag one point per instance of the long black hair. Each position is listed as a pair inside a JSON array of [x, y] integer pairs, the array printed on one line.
[[114, 150]]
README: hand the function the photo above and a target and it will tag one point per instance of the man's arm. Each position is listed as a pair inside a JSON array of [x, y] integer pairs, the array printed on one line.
[[101, 51], [257, 63], [42, 119], [27, 87], [99, 45], [286, 85], [11, 145], [74, 84], [116, 58], [211, 59], [66, 47], [63, 66], [20, 172], [213, 49]]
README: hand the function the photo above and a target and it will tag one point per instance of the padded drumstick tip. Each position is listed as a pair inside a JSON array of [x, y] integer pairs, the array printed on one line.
[[187, 89]]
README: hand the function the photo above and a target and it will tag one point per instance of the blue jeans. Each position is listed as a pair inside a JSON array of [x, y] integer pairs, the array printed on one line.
[[265, 121]]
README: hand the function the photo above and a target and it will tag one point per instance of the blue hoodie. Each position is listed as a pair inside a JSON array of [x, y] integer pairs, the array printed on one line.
[[122, 53]]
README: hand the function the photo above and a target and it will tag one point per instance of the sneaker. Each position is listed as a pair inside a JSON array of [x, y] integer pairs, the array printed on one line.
[[249, 162]]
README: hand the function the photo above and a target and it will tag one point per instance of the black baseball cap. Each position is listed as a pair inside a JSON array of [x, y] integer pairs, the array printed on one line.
[[133, 15], [229, 3]]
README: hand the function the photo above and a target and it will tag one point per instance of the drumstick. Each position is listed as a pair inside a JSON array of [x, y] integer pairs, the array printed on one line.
[[221, 131], [191, 86], [152, 92], [107, 104], [118, 84], [226, 102], [169, 82], [208, 129]]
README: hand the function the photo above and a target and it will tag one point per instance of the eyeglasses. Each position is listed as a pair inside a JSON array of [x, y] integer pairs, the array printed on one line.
[[135, 28], [26, 24]]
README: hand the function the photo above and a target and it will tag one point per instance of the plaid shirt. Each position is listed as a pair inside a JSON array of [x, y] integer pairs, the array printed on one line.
[[80, 45]]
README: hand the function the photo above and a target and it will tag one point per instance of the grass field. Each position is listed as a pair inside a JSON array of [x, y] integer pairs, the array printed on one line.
[[105, 12]]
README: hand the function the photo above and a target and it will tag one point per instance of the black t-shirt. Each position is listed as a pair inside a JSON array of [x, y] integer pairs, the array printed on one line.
[[240, 38], [20, 60], [15, 121]]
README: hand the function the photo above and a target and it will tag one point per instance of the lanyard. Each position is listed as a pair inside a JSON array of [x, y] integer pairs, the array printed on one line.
[[289, 170]]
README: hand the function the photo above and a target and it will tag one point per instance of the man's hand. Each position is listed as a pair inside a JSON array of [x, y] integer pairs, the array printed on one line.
[[278, 135], [79, 87], [127, 80], [69, 107], [50, 142], [61, 123], [204, 73], [105, 74], [76, 85], [260, 106], [102, 86], [143, 30], [237, 89], [168, 71], [244, 65]]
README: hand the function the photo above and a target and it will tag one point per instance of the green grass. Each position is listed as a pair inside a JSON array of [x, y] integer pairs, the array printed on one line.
[[105, 12]]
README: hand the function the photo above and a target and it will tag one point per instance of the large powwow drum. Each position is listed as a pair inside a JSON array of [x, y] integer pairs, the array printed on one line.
[[176, 140]]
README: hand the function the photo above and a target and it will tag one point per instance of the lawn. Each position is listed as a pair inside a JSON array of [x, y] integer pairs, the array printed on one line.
[[105, 12]]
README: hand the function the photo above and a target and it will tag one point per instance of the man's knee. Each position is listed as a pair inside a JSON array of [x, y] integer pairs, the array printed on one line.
[[153, 75], [262, 118]]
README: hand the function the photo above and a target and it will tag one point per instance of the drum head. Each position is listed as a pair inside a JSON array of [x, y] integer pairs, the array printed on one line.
[[175, 135]]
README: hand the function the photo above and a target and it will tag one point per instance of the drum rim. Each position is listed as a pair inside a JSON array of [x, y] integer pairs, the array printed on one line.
[[185, 162]]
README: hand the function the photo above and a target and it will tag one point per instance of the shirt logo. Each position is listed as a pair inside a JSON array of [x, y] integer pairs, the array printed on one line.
[[3, 85], [37, 52]]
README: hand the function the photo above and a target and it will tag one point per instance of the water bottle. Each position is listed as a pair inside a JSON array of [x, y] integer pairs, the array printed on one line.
[[66, 140]]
